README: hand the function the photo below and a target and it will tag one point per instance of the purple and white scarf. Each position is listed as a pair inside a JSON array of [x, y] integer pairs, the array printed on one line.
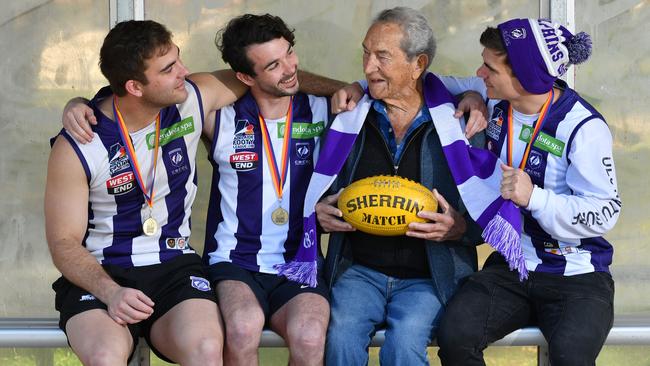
[[476, 172]]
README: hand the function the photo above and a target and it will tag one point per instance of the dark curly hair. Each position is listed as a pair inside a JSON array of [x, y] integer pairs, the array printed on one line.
[[246, 30], [126, 48], [491, 38]]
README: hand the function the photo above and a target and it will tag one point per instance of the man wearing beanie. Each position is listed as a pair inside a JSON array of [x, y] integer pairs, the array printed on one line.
[[558, 169]]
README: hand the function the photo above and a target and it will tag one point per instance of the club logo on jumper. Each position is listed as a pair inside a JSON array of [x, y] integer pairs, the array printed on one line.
[[494, 127], [303, 153], [177, 158], [178, 243], [200, 283], [534, 160], [244, 135], [117, 158], [87, 297], [244, 161], [121, 184], [534, 165]]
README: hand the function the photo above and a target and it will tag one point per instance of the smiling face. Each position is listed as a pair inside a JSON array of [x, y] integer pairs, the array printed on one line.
[[275, 64], [501, 83], [389, 72], [165, 75]]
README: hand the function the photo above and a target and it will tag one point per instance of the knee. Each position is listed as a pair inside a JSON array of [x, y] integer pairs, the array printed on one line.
[[105, 357], [453, 335], [309, 337], [573, 353], [243, 333], [209, 351]]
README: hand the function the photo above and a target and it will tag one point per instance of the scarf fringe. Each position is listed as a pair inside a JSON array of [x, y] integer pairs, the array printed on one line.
[[303, 272], [500, 234]]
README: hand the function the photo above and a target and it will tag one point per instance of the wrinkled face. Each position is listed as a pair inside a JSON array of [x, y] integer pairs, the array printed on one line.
[[388, 71], [501, 83], [166, 74], [276, 67]]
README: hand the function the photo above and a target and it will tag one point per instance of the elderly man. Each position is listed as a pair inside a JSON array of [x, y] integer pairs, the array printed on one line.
[[403, 282], [564, 182]]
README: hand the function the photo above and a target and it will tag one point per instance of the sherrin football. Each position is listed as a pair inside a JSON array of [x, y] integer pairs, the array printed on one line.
[[385, 205]]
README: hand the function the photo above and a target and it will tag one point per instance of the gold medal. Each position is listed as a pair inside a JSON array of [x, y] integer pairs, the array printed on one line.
[[150, 226], [280, 216]]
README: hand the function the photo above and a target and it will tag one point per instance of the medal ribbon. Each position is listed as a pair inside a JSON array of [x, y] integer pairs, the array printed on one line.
[[130, 152], [536, 130], [278, 181]]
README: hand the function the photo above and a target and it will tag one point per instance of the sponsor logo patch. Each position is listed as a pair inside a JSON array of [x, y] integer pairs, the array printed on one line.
[[121, 183], [200, 283], [117, 158], [244, 161], [177, 243], [303, 130], [543, 141], [244, 135], [494, 127], [171, 133]]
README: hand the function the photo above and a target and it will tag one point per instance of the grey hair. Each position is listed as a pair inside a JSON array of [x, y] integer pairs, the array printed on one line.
[[417, 34]]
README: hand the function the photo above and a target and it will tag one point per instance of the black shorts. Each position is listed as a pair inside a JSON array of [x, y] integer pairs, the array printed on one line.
[[167, 284], [272, 291]]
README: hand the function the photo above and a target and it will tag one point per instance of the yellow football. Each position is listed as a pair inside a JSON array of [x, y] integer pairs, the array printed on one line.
[[385, 205]]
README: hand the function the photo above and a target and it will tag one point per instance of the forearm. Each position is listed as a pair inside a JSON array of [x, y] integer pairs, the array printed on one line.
[[318, 85], [574, 217], [78, 266]]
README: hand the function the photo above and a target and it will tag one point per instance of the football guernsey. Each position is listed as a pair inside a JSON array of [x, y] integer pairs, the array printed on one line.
[[575, 199], [116, 205], [240, 226]]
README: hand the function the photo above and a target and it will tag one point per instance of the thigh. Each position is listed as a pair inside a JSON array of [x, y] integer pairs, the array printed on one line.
[[413, 310], [491, 304], [236, 286], [185, 326], [358, 300], [575, 313], [281, 292], [239, 306], [93, 332]]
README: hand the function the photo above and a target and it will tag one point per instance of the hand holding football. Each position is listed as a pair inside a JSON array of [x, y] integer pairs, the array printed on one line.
[[385, 205]]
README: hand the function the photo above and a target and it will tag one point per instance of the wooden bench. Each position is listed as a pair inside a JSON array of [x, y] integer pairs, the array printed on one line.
[[44, 332]]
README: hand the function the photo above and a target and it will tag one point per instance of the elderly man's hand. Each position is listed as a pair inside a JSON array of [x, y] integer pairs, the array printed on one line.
[[329, 215], [346, 98], [473, 103], [448, 225], [516, 185]]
